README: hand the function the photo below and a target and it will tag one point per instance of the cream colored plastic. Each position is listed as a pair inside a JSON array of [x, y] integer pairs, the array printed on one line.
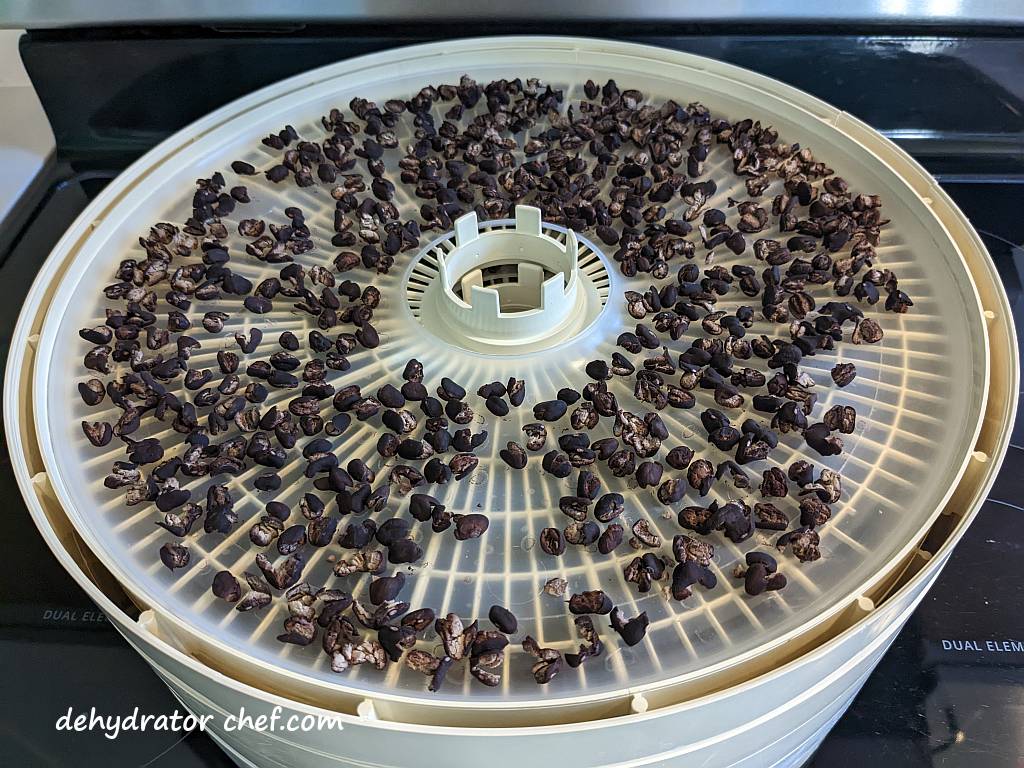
[[673, 711], [519, 311], [914, 442]]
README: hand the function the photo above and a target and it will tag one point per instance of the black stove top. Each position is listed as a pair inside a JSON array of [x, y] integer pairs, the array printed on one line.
[[950, 690]]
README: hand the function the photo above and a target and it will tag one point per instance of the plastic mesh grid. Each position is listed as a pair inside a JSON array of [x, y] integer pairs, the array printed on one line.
[[905, 394]]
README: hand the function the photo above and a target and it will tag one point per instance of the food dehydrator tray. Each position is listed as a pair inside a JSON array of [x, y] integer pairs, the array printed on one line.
[[920, 394]]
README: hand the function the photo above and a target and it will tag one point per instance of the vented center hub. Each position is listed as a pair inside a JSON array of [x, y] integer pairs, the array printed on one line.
[[508, 286]]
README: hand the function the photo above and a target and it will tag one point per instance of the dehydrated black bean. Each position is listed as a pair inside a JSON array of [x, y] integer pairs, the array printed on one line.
[[557, 463], [770, 518], [644, 535], [226, 587], [568, 395], [818, 436], [471, 526], [842, 418], [404, 551], [390, 397], [644, 571], [174, 555], [734, 518], [844, 374], [679, 457], [292, 539], [513, 455], [516, 391], [92, 391], [551, 541], [610, 538], [582, 533], [576, 507], [386, 588], [773, 483], [632, 631], [449, 390], [503, 619], [497, 406], [689, 573], [593, 601], [550, 410], [99, 433]]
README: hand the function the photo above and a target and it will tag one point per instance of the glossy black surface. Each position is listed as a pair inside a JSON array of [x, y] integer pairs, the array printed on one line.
[[933, 701], [112, 94]]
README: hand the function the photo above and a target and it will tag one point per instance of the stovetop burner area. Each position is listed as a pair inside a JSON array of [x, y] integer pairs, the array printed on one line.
[[949, 692]]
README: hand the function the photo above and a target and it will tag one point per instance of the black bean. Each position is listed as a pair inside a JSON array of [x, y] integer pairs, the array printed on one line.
[[99, 335], [458, 411], [497, 406], [629, 342], [98, 359], [515, 389], [844, 374], [470, 526], [568, 395], [536, 436], [367, 336], [172, 499], [842, 418], [679, 457], [593, 601], [226, 587], [503, 619], [99, 433], [292, 539], [392, 530], [386, 588], [320, 531], [390, 397], [818, 436], [174, 555], [436, 471], [551, 541], [598, 370], [648, 474], [413, 450], [557, 463], [494, 389], [463, 464], [92, 391], [609, 507], [449, 390], [388, 445], [421, 506], [513, 455], [270, 481], [774, 483], [404, 551], [770, 518], [588, 485], [671, 491], [610, 539], [575, 507], [632, 631], [582, 533], [549, 410]]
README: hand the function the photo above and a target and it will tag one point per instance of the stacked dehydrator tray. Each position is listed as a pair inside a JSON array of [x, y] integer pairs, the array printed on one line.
[[720, 677]]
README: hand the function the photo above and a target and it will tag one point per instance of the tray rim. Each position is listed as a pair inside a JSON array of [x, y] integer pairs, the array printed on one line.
[[80, 231]]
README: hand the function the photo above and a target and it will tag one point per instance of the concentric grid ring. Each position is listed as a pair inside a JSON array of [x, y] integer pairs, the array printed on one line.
[[911, 333]]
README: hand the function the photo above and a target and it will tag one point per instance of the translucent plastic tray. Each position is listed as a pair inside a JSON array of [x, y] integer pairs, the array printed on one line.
[[919, 396]]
